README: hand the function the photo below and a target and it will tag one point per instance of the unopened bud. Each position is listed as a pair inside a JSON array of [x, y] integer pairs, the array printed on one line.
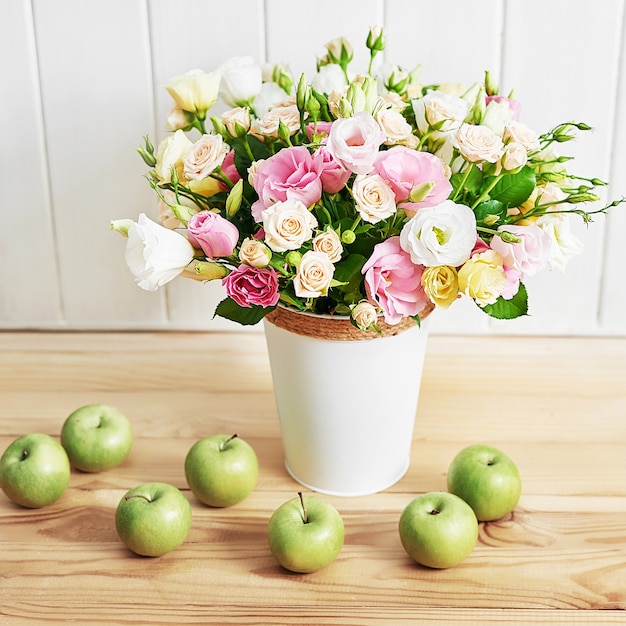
[[508, 237], [209, 270], [302, 93], [233, 202], [376, 39], [491, 86], [121, 226], [183, 213], [420, 192], [348, 237], [293, 258]]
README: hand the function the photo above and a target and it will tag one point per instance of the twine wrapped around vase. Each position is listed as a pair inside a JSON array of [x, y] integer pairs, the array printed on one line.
[[336, 328]]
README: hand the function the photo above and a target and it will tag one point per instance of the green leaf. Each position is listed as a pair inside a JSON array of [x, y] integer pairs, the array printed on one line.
[[509, 309], [471, 183], [351, 265], [490, 212], [514, 189], [247, 316]]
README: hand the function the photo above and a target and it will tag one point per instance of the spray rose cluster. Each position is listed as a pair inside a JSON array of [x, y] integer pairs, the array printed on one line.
[[368, 195]]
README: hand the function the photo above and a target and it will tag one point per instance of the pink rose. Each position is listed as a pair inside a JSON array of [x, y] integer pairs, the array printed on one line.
[[354, 142], [291, 174], [249, 285], [229, 169], [529, 256], [394, 282], [332, 175], [212, 233], [406, 170], [514, 105]]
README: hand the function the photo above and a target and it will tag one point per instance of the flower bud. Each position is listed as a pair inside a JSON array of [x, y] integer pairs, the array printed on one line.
[[233, 202], [303, 92], [147, 153], [364, 315], [183, 213], [375, 39], [282, 77], [491, 86], [420, 192], [121, 226], [348, 237], [209, 270], [293, 258], [508, 237], [340, 51]]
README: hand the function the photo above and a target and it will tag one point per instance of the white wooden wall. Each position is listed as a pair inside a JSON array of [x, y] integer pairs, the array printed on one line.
[[81, 81]]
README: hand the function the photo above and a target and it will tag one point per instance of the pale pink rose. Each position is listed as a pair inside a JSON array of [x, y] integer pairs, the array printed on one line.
[[204, 156], [291, 174], [393, 282], [405, 169], [478, 143], [332, 175], [212, 233], [529, 256], [354, 142], [514, 105], [249, 286]]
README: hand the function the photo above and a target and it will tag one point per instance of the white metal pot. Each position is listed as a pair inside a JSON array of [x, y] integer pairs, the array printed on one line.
[[346, 406]]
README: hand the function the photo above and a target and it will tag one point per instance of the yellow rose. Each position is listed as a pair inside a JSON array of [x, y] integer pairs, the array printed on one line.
[[441, 285], [482, 277]]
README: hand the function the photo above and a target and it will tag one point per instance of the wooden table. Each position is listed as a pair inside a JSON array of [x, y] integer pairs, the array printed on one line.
[[556, 406]]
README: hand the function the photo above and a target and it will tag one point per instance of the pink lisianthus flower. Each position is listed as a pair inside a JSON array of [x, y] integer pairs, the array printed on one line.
[[529, 256], [332, 175], [393, 282], [406, 169], [248, 286], [212, 233], [291, 174], [513, 278]]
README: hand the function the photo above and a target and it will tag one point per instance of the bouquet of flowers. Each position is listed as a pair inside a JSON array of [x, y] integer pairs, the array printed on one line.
[[365, 195]]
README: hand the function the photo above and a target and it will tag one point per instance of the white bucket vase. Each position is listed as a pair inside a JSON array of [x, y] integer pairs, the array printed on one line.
[[346, 405]]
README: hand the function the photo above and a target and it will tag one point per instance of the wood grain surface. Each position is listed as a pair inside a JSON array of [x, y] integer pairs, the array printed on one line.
[[557, 406]]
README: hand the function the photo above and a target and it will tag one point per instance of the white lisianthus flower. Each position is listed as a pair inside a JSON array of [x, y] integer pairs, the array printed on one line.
[[443, 234], [195, 91], [176, 119], [374, 199], [364, 315], [441, 110], [329, 243], [170, 154], [314, 275], [204, 156], [517, 131], [241, 81], [565, 244], [478, 143], [396, 128], [329, 78], [254, 253], [155, 255], [497, 116], [287, 225]]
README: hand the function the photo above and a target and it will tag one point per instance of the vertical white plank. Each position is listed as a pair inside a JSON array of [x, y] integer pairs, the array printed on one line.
[[97, 94], [613, 297], [29, 294], [560, 57]]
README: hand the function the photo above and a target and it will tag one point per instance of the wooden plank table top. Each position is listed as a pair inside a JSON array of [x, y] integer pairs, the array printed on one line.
[[557, 406]]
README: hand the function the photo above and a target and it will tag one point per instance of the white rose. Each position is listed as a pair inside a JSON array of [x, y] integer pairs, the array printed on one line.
[[443, 110], [329, 78], [196, 91], [392, 100], [267, 126], [154, 254], [237, 117], [287, 225], [204, 156], [364, 315], [444, 234], [516, 131], [253, 169], [373, 197], [241, 81], [478, 143], [396, 128], [314, 275], [329, 242], [170, 154], [176, 119], [565, 245], [515, 156], [270, 96], [254, 252]]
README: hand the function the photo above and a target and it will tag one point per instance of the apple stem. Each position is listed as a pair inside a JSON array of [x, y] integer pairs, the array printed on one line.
[[24, 455], [225, 443], [305, 517], [138, 495]]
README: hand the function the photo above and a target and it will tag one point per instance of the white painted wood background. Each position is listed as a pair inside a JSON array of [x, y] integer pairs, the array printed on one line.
[[81, 81]]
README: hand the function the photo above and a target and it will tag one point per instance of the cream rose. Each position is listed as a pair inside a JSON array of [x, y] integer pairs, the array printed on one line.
[[441, 285], [441, 110], [237, 121], [314, 274], [253, 169], [329, 242], [170, 154], [482, 277], [374, 198], [478, 143], [364, 315], [176, 119], [396, 128], [517, 131], [514, 157], [254, 252], [268, 125], [204, 156], [287, 225]]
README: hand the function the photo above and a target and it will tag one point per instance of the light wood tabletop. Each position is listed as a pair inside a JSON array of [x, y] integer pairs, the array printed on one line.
[[557, 406]]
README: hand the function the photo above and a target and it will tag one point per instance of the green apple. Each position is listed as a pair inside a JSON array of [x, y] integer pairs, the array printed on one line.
[[153, 519], [97, 437], [34, 470], [438, 529], [487, 479], [305, 534], [221, 470]]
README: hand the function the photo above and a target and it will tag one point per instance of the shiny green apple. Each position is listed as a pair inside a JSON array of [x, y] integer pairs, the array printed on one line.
[[487, 479], [438, 529], [97, 437], [305, 534], [221, 470], [153, 519], [34, 470]]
